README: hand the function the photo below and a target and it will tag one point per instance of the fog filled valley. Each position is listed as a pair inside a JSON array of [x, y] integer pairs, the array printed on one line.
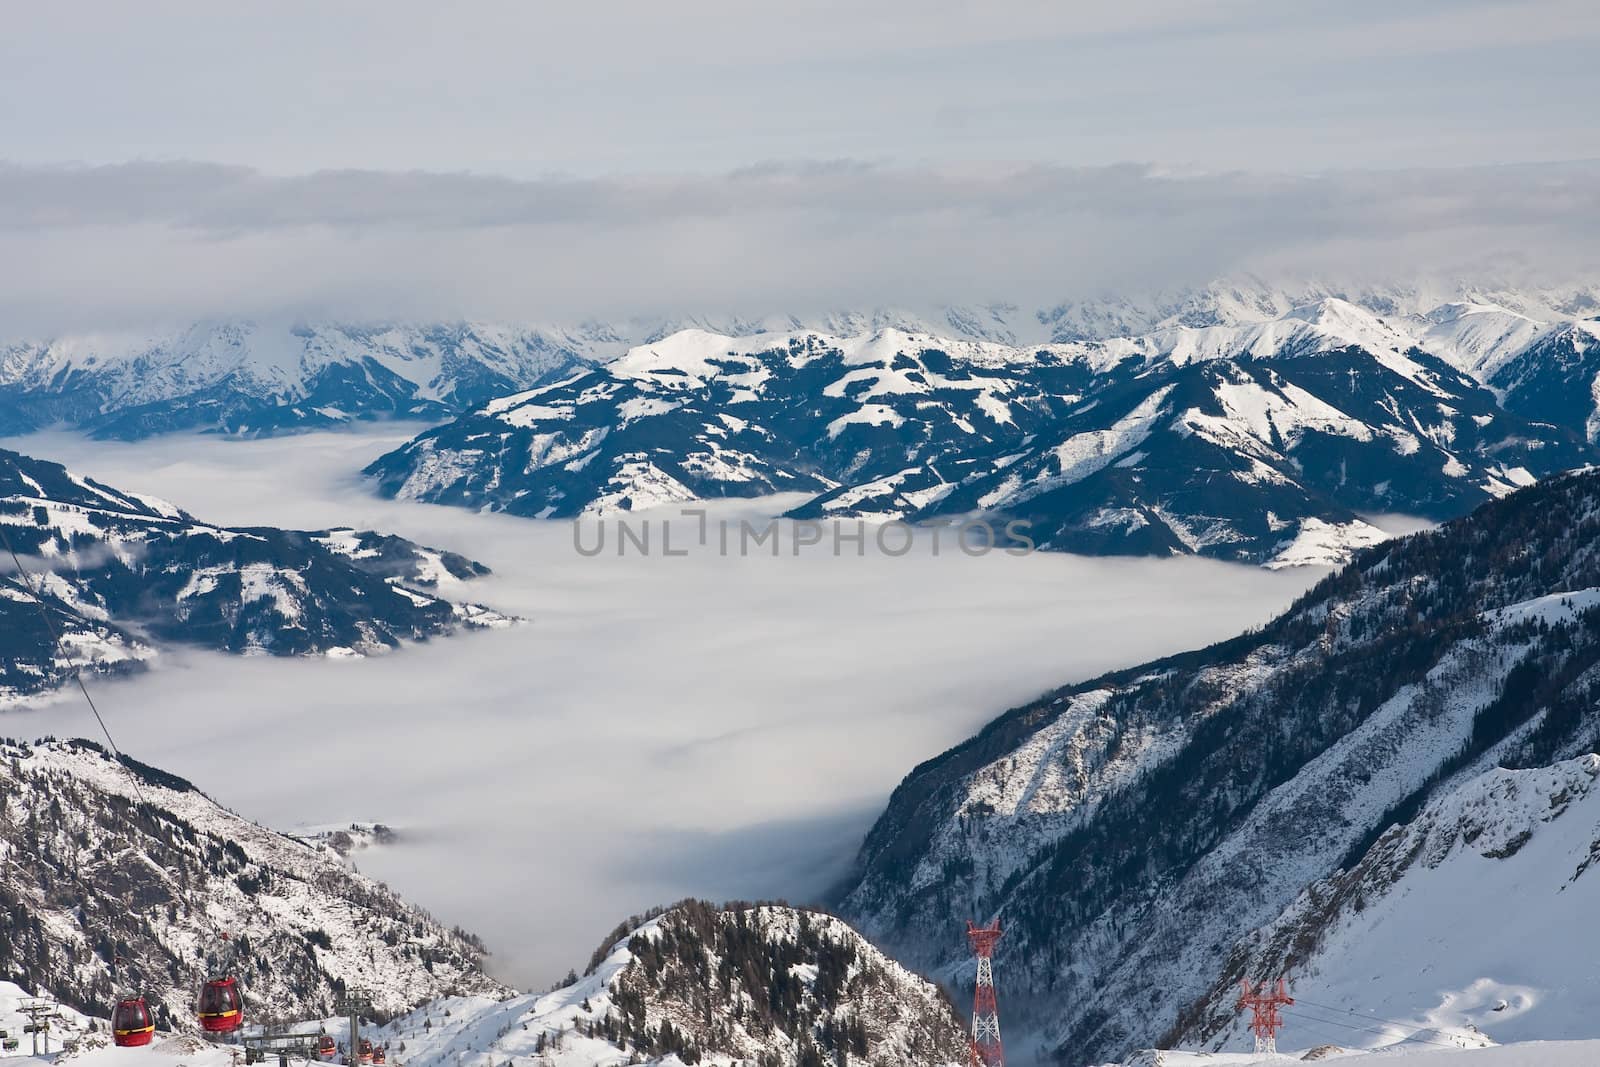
[[655, 728]]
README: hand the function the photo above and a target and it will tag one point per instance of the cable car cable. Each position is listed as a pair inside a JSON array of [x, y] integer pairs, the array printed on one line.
[[77, 673], [1415, 1036], [1358, 1015]]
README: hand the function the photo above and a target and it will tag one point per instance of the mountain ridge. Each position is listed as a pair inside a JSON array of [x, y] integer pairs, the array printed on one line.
[[1262, 443], [118, 575]]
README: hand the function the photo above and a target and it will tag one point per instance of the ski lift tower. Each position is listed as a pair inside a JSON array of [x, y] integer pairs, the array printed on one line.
[[41, 1012], [354, 1004]]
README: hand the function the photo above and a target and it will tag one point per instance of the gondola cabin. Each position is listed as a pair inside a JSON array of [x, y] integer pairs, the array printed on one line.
[[131, 1023], [326, 1049], [221, 1011], [366, 1051], [379, 1057]]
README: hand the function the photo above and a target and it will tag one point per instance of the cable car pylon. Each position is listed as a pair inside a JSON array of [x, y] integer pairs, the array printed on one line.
[[986, 1048]]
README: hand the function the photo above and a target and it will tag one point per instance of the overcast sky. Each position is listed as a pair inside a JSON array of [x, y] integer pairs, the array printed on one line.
[[527, 89], [545, 161]]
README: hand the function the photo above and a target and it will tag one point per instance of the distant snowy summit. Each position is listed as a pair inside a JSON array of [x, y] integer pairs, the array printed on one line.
[[1263, 441], [249, 378]]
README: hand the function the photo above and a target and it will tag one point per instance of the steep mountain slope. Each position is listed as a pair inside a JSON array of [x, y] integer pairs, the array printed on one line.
[[1258, 443], [761, 985], [122, 573], [1556, 378], [1464, 919], [249, 378], [1130, 831], [1264, 444], [93, 869]]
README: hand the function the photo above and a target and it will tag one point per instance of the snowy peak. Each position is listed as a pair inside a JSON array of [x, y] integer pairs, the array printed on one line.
[[1478, 338], [1556, 378]]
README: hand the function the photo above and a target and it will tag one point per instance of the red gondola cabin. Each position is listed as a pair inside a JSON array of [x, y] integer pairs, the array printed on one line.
[[326, 1049], [366, 1051], [131, 1024], [221, 1011], [379, 1057]]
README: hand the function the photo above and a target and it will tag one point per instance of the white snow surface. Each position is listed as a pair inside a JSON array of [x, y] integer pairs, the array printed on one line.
[[1472, 921]]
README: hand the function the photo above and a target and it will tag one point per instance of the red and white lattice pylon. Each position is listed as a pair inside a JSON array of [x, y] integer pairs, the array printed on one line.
[[986, 1048], [1265, 1018]]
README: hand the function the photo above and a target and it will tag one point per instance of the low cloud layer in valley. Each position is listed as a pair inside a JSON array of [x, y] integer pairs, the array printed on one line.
[[659, 726]]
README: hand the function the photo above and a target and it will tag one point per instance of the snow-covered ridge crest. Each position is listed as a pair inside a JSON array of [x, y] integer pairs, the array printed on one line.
[[741, 984], [250, 377], [1257, 441]]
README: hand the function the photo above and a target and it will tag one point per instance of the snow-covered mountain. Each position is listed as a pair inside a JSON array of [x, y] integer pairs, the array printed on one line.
[[94, 868], [700, 415], [1261, 442], [122, 573], [761, 985], [252, 378], [1151, 834]]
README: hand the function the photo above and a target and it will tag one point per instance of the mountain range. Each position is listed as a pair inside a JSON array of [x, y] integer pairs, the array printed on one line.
[[1244, 420], [1388, 794], [1272, 442], [113, 576], [248, 378]]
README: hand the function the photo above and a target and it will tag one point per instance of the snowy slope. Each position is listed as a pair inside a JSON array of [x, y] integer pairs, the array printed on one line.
[[1527, 1054], [1457, 927], [1134, 830], [90, 867], [122, 573]]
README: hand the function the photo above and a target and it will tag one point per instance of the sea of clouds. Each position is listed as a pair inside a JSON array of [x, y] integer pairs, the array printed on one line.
[[658, 726]]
